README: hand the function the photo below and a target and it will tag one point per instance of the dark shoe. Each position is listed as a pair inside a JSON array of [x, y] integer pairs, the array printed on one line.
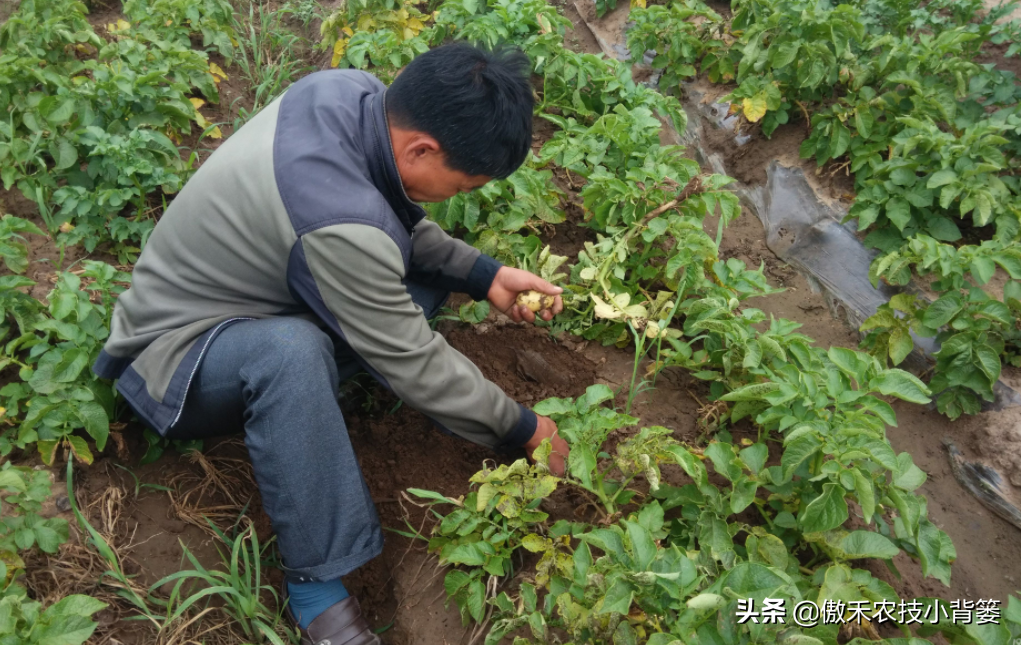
[[341, 624]]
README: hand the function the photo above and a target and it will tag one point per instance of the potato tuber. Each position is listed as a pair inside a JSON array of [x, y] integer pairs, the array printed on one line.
[[535, 301]]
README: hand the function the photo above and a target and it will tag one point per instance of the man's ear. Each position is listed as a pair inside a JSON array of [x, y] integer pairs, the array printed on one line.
[[420, 147]]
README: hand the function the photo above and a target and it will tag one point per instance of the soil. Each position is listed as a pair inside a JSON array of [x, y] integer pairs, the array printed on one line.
[[401, 591], [748, 162], [999, 443], [579, 37], [996, 54]]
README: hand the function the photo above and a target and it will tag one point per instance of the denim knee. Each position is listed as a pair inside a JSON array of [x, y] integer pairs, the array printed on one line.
[[431, 299], [298, 344]]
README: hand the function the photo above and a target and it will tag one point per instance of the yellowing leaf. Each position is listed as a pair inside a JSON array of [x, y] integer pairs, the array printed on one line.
[[754, 108], [203, 122], [339, 48], [604, 310], [47, 450], [80, 449], [347, 30], [544, 24], [652, 330], [66, 227], [217, 71], [13, 564], [636, 311], [120, 25], [534, 543], [637, 3]]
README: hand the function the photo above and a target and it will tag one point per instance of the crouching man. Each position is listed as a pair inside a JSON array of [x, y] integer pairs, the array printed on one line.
[[296, 257]]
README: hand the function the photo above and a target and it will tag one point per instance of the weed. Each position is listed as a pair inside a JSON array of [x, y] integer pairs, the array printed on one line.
[[114, 575], [139, 485], [268, 54], [240, 588]]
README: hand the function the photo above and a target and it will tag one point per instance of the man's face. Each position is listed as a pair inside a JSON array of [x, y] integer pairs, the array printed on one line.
[[434, 181], [429, 179], [423, 168]]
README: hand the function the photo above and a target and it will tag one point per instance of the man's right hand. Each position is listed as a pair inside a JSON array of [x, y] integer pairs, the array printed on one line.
[[546, 429]]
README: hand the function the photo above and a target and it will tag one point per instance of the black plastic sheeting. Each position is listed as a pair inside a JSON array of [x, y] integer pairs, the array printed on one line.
[[804, 232]]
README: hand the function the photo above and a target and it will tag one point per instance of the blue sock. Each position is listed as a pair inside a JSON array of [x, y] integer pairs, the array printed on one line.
[[309, 599]]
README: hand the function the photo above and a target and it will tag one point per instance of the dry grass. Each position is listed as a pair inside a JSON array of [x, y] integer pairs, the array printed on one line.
[[220, 488], [78, 569]]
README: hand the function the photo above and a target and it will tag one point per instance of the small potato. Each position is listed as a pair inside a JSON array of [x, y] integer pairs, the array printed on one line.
[[534, 300]]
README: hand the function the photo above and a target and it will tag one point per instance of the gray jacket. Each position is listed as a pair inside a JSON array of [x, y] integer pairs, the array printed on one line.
[[302, 213]]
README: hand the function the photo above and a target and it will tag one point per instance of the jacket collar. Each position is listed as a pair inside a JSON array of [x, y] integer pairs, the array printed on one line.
[[383, 165]]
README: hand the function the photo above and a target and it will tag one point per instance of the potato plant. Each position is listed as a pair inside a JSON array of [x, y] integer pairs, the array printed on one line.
[[13, 249], [893, 93], [93, 124], [647, 203], [23, 492], [933, 180], [179, 20], [526, 199], [383, 36], [23, 621], [679, 43], [801, 48], [973, 331], [583, 84], [51, 347], [668, 552]]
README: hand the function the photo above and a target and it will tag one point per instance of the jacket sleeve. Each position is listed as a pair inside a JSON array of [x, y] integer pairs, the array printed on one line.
[[442, 261], [358, 271]]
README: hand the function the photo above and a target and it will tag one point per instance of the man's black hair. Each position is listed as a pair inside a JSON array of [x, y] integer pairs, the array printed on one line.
[[476, 103]]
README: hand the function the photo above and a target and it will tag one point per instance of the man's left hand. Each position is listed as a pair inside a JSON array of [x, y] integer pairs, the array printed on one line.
[[509, 282], [546, 429]]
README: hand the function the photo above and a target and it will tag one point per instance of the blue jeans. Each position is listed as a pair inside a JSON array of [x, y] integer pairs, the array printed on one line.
[[277, 380]]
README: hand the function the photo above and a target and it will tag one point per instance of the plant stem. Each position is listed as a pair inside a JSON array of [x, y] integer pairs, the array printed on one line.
[[639, 351], [662, 332], [623, 487], [764, 516]]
